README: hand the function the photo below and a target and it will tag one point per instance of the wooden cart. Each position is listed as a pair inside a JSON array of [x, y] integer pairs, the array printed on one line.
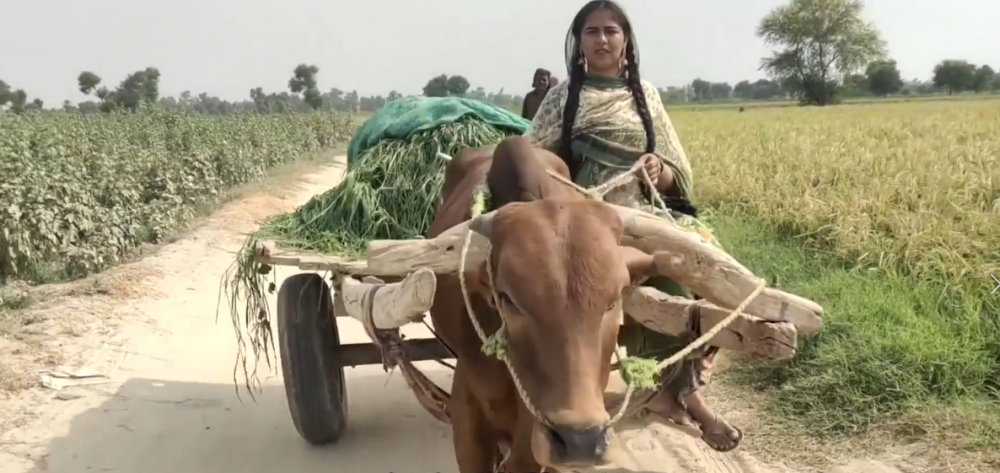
[[394, 286]]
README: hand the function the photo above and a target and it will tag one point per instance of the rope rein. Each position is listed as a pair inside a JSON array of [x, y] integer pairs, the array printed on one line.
[[495, 344]]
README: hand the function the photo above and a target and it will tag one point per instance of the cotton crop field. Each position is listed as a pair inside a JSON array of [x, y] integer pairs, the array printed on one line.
[[80, 191], [898, 206]]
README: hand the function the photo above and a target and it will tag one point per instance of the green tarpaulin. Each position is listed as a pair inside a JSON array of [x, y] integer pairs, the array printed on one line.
[[402, 118]]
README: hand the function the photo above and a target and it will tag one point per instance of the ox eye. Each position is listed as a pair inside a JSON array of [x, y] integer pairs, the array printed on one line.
[[510, 308], [505, 299]]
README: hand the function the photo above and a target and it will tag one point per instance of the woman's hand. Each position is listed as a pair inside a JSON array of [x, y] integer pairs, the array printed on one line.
[[660, 175], [653, 167]]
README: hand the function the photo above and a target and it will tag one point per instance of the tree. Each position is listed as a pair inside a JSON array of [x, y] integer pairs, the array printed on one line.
[[304, 81], [883, 77], [353, 103], [819, 42], [444, 86], [721, 90], [6, 95], [88, 82], [304, 77], [18, 101], [983, 79], [955, 75], [764, 89], [437, 86], [138, 87], [336, 99], [102, 93], [673, 95], [457, 86], [855, 85], [478, 94], [314, 98], [393, 95], [743, 90], [702, 89]]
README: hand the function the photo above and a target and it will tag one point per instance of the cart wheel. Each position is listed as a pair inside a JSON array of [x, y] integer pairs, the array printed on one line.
[[310, 360]]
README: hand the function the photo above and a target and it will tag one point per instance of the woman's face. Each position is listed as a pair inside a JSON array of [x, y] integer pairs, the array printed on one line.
[[603, 43]]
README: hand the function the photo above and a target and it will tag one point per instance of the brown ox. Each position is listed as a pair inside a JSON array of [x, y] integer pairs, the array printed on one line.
[[559, 273]]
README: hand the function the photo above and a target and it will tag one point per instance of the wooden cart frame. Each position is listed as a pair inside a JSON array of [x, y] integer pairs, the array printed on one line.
[[395, 285], [313, 358]]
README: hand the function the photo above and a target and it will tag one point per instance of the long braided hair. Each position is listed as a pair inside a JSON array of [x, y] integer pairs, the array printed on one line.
[[577, 74]]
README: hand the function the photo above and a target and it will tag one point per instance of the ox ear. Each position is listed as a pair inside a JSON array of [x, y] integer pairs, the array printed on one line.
[[639, 263], [482, 224]]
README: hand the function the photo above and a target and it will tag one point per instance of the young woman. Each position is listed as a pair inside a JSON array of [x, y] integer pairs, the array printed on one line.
[[601, 121]]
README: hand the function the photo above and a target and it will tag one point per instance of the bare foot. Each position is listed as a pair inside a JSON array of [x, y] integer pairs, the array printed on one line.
[[721, 436], [716, 432]]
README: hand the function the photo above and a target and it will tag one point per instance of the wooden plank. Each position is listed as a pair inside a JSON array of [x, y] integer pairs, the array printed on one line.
[[687, 258], [681, 255], [267, 253], [672, 315]]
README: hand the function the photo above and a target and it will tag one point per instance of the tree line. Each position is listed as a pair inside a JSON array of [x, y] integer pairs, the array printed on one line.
[[823, 51], [881, 78], [141, 88]]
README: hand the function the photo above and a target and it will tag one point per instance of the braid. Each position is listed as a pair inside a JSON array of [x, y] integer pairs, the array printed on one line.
[[576, 78], [635, 85], [677, 204]]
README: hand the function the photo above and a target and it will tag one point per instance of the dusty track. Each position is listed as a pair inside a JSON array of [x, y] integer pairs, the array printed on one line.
[[171, 405]]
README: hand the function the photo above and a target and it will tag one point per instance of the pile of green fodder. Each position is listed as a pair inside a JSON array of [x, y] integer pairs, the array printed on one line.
[[391, 192]]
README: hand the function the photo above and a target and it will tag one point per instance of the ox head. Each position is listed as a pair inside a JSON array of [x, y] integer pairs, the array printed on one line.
[[559, 270]]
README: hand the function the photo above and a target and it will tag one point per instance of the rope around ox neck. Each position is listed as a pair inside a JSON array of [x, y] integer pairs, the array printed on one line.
[[495, 344]]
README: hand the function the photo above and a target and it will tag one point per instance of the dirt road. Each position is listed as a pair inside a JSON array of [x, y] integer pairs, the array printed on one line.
[[170, 404]]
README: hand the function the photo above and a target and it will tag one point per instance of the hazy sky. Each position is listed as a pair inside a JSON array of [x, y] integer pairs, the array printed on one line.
[[226, 47]]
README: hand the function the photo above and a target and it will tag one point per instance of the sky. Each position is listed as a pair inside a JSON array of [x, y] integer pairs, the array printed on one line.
[[227, 47]]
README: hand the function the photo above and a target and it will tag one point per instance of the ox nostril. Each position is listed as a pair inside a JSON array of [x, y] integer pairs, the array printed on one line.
[[573, 445]]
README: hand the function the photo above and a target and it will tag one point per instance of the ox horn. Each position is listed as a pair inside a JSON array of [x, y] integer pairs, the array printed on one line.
[[482, 224]]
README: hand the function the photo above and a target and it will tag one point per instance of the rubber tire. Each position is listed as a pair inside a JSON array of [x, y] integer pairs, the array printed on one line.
[[309, 340]]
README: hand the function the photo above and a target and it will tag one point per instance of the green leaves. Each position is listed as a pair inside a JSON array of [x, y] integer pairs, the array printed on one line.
[[80, 192]]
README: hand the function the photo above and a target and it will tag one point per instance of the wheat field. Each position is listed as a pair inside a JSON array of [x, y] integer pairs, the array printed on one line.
[[899, 206]]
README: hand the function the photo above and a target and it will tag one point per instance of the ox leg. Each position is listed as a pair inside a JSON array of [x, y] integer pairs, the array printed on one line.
[[474, 439]]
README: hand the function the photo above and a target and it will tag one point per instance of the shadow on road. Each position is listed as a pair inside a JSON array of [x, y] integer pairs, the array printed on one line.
[[156, 426]]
